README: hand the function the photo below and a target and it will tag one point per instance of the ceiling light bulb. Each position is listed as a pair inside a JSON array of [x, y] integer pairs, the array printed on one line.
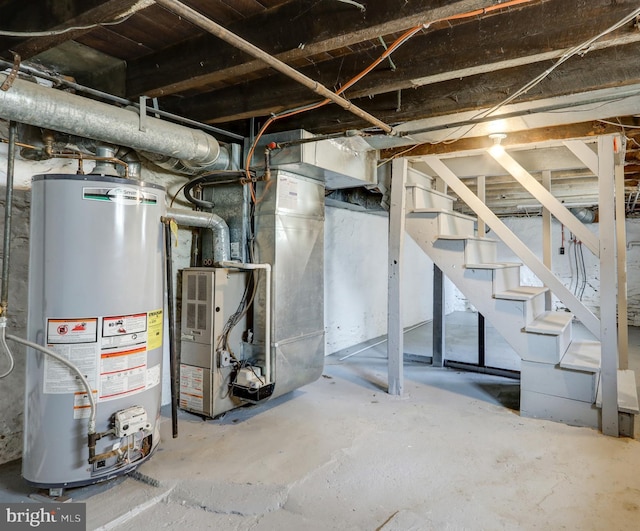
[[497, 138], [497, 149]]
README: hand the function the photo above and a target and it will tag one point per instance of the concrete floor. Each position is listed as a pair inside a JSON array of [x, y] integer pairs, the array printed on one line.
[[452, 453]]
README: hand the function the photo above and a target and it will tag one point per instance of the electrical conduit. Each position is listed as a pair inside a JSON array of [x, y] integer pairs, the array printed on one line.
[[267, 304]]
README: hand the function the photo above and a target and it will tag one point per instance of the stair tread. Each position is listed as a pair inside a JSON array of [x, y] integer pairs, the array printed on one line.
[[521, 293], [627, 392], [462, 237], [431, 190], [417, 211], [550, 323], [495, 265], [582, 356]]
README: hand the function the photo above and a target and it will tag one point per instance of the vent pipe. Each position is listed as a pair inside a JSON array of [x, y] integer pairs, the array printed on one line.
[[33, 104], [585, 215], [206, 220]]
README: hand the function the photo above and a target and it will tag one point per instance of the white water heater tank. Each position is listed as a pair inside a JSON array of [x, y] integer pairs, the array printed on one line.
[[95, 297]]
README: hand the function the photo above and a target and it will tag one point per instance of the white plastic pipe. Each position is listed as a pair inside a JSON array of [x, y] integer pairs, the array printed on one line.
[[267, 302]]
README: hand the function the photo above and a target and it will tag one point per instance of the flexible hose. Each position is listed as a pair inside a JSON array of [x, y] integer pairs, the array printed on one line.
[[67, 363], [213, 178]]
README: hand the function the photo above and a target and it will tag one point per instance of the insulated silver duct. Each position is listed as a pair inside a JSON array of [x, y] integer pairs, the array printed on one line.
[[205, 220], [585, 215], [30, 103]]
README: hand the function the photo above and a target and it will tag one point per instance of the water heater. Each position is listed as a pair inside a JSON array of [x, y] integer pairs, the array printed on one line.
[[95, 297]]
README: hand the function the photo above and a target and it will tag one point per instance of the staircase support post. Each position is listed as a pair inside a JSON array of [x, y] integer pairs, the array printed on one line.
[[395, 344], [547, 239], [608, 281], [621, 233], [438, 317]]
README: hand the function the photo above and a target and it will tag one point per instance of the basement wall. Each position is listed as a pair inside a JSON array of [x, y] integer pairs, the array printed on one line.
[[529, 230], [355, 290]]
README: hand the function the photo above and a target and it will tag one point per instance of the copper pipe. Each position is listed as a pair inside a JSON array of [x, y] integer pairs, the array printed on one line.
[[222, 33]]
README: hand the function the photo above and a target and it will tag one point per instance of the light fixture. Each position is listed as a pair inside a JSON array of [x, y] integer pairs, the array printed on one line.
[[497, 148]]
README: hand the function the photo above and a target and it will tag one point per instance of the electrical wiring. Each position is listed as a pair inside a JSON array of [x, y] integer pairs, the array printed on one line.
[[584, 272], [580, 49], [623, 126], [390, 49], [51, 33], [243, 307]]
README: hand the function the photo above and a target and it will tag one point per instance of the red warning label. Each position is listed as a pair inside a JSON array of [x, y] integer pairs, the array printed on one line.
[[69, 331]]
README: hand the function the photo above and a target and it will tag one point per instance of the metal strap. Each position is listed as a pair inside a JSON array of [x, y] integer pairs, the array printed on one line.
[[13, 74]]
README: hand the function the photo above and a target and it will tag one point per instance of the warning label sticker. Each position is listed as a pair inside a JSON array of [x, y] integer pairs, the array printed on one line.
[[191, 385], [153, 376], [122, 372], [58, 378], [123, 325], [81, 405], [155, 330], [287, 193], [67, 331], [113, 361]]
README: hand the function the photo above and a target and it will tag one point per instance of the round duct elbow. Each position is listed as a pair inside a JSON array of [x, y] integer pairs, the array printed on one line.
[[584, 215]]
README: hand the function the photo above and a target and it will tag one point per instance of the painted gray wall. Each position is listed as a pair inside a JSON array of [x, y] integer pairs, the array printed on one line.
[[529, 230], [356, 248]]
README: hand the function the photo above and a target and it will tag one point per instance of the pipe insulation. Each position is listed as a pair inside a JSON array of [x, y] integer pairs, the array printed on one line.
[[33, 104], [206, 220]]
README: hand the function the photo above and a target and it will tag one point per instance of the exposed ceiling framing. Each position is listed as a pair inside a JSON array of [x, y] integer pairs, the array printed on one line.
[[452, 65]]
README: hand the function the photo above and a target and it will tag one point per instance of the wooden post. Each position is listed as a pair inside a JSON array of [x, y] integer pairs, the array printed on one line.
[[395, 345], [608, 279], [547, 236]]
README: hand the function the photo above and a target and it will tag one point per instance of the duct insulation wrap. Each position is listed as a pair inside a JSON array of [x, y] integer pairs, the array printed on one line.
[[95, 297]]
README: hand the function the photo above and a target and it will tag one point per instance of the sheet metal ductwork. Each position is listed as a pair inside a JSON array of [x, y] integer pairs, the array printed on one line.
[[30, 103]]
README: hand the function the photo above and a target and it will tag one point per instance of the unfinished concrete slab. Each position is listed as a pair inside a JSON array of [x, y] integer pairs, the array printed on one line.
[[452, 453]]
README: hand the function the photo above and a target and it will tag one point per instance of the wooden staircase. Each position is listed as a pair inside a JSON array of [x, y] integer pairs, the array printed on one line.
[[559, 375]]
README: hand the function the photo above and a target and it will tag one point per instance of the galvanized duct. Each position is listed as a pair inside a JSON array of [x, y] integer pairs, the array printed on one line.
[[585, 215], [205, 220], [33, 104]]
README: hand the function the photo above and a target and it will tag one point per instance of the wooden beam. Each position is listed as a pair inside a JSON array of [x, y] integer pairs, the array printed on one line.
[[506, 40], [291, 32], [596, 70], [68, 14], [543, 134], [546, 198]]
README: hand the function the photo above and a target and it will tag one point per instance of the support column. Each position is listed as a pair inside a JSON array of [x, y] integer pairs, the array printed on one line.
[[547, 237], [482, 335], [438, 317], [608, 279], [395, 345], [621, 253]]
